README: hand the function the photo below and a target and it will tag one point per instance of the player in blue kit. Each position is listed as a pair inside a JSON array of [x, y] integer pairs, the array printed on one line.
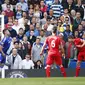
[[4, 45]]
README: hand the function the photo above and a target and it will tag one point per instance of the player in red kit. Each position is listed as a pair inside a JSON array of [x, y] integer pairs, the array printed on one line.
[[54, 45], [80, 44]]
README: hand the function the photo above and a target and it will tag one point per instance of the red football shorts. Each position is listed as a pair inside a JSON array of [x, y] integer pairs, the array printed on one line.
[[53, 57], [81, 56]]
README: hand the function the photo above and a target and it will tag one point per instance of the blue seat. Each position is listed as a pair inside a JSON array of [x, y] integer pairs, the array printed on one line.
[[72, 64]]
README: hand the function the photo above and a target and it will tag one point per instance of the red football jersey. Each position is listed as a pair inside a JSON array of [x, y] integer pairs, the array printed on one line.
[[53, 43], [78, 41]]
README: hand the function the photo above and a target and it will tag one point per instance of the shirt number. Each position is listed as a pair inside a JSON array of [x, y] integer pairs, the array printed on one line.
[[53, 43]]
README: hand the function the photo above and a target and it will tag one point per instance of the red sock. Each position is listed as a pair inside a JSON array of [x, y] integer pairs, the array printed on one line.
[[77, 71], [48, 71], [63, 71]]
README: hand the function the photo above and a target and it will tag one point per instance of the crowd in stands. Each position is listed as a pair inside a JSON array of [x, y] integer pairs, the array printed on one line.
[[27, 24]]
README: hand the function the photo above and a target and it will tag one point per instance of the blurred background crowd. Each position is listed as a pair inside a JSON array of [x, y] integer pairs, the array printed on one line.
[[28, 23]]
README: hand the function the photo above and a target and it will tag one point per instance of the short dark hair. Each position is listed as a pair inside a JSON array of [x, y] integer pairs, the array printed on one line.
[[68, 25], [54, 29], [4, 31], [17, 42], [20, 29], [42, 30]]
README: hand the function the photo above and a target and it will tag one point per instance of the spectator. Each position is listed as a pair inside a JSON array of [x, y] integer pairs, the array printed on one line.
[[21, 50], [13, 60], [23, 5], [13, 33], [47, 33], [67, 33], [50, 26], [60, 28], [31, 38], [16, 26], [31, 13], [83, 24], [66, 14], [21, 21], [73, 14], [26, 25], [37, 13], [38, 27], [43, 7], [18, 13], [66, 22], [31, 6], [69, 51], [10, 20], [20, 34], [4, 5], [36, 32], [38, 64], [79, 8], [33, 21], [77, 21], [42, 36], [69, 4], [80, 31], [50, 16], [57, 9], [16, 45], [27, 63], [36, 50], [43, 21], [8, 12], [26, 46], [76, 34]]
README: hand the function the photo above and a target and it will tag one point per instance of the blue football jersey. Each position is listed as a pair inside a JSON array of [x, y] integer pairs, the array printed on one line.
[[6, 43]]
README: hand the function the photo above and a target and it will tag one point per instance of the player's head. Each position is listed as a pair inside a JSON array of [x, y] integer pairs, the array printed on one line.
[[54, 29], [6, 32]]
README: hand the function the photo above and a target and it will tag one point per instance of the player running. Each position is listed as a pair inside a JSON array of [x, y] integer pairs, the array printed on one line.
[[54, 45]]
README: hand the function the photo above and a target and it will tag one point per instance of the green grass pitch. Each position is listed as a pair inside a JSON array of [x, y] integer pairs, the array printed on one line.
[[44, 81]]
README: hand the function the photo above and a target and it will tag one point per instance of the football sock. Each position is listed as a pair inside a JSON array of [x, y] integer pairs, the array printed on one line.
[[48, 71], [77, 71], [63, 71]]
